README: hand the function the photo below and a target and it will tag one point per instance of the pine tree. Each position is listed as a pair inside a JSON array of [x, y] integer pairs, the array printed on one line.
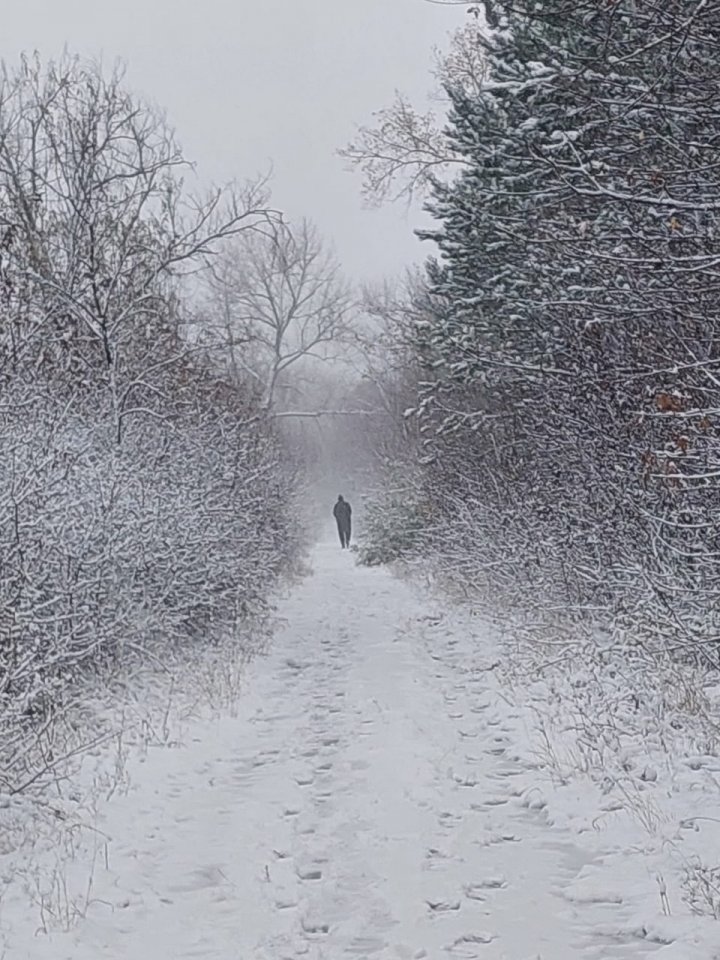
[[575, 344]]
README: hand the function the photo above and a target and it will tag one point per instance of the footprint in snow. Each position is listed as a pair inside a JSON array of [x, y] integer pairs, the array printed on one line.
[[492, 839], [443, 906], [295, 665], [434, 854], [465, 781], [313, 929], [364, 946], [470, 944], [449, 816], [480, 707], [507, 772], [475, 892], [489, 883], [285, 903]]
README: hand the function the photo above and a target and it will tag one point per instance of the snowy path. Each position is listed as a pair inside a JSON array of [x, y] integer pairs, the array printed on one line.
[[362, 805]]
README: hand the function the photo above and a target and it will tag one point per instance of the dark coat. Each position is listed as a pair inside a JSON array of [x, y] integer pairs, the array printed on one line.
[[342, 511]]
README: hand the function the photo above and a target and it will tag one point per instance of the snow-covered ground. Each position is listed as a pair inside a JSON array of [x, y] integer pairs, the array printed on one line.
[[375, 795]]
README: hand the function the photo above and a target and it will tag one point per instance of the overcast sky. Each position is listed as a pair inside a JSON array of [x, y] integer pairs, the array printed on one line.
[[247, 83]]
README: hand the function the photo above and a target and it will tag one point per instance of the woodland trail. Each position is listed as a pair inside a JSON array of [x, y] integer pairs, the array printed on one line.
[[363, 804]]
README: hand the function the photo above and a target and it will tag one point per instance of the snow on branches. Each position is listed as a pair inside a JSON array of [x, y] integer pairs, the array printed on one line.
[[570, 392], [142, 494]]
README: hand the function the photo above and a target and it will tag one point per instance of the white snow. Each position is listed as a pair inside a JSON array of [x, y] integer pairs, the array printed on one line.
[[375, 796]]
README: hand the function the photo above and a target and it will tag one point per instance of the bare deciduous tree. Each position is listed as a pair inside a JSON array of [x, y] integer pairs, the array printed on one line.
[[141, 492], [98, 221], [406, 148], [278, 301], [400, 154]]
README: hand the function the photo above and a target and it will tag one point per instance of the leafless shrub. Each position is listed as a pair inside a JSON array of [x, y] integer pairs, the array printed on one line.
[[144, 498]]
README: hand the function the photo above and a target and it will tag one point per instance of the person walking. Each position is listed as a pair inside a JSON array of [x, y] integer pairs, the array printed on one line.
[[342, 512]]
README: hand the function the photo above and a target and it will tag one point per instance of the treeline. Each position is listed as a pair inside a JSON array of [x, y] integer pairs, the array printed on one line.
[[567, 336], [143, 492]]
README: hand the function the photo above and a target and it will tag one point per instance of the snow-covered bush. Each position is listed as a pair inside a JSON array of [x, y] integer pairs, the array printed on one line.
[[144, 498], [393, 528]]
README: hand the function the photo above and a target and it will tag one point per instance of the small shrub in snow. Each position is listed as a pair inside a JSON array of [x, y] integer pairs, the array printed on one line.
[[393, 529], [702, 889]]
